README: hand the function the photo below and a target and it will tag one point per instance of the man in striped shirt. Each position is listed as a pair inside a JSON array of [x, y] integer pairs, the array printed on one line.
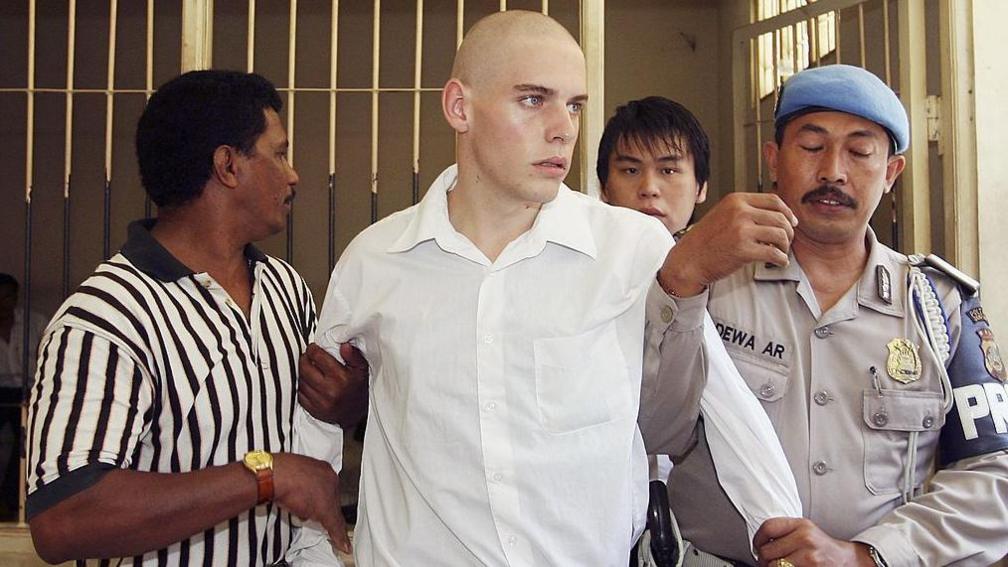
[[163, 412]]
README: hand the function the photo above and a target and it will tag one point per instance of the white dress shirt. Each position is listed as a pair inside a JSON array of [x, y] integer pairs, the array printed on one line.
[[751, 465], [504, 394], [749, 461]]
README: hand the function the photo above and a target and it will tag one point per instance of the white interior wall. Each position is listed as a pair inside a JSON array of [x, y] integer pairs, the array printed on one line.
[[991, 90]]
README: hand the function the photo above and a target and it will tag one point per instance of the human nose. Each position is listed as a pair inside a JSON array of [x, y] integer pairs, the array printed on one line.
[[831, 167], [563, 126], [292, 176], [649, 186]]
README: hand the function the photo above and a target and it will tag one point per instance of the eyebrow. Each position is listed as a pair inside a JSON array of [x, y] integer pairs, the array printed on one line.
[[545, 91], [674, 158], [539, 89]]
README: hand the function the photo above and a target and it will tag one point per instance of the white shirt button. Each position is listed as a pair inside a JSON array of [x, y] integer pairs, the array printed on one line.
[[491, 406], [512, 540], [497, 477], [488, 339]]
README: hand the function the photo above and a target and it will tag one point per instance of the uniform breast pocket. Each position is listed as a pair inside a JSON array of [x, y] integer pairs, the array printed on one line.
[[767, 380], [582, 380], [891, 420]]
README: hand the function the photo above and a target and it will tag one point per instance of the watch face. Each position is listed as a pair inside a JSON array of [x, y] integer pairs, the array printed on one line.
[[259, 460]]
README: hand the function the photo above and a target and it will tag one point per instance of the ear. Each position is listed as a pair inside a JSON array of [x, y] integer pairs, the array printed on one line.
[[454, 97], [770, 153], [603, 194], [225, 167], [702, 194], [893, 170]]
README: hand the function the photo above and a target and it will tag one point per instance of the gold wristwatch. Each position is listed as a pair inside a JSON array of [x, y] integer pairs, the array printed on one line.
[[260, 463]]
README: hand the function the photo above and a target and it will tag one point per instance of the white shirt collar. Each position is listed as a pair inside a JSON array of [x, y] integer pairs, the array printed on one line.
[[562, 221]]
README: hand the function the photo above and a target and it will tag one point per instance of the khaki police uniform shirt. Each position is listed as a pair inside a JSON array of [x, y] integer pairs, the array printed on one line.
[[846, 445]]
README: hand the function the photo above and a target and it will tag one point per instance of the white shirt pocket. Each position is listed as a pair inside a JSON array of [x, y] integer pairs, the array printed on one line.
[[582, 380]]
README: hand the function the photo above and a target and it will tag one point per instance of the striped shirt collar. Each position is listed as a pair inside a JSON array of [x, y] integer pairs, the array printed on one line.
[[147, 254]]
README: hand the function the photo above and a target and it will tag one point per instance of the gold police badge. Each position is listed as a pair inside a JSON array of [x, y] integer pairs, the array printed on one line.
[[992, 355], [903, 364]]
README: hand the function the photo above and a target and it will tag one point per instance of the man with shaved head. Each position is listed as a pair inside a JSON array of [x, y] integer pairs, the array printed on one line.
[[503, 318]]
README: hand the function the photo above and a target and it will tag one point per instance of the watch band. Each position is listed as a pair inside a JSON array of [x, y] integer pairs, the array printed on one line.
[[264, 478]]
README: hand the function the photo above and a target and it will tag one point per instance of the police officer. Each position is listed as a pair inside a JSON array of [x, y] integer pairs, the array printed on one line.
[[876, 369]]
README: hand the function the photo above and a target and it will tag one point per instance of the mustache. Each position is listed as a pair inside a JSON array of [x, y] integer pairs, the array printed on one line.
[[832, 192]]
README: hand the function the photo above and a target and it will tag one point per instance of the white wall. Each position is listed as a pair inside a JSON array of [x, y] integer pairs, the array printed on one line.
[[991, 90]]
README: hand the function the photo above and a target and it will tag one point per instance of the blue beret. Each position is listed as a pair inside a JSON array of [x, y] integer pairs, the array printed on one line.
[[846, 89]]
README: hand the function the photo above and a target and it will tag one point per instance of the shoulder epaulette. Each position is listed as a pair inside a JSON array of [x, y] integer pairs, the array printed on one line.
[[967, 285]]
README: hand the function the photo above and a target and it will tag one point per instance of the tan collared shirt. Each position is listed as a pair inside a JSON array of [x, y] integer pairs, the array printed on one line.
[[845, 423]]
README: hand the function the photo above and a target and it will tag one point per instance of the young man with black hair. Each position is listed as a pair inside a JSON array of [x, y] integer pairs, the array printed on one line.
[[654, 157]]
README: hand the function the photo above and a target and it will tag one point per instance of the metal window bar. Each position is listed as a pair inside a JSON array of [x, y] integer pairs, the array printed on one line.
[[836, 35], [417, 72], [885, 42], [291, 69], [27, 283], [375, 70], [334, 46], [68, 140], [861, 39], [149, 81], [109, 107]]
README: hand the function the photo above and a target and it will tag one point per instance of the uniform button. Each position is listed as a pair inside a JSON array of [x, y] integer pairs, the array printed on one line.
[[491, 406], [821, 397], [666, 314], [497, 477], [512, 540], [819, 468], [880, 418], [767, 390], [927, 422], [488, 339], [823, 332]]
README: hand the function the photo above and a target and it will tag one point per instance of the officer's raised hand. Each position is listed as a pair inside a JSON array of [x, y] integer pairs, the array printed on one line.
[[799, 542], [741, 228], [330, 391]]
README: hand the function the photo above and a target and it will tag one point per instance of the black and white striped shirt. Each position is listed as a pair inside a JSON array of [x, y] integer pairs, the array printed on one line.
[[152, 367]]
